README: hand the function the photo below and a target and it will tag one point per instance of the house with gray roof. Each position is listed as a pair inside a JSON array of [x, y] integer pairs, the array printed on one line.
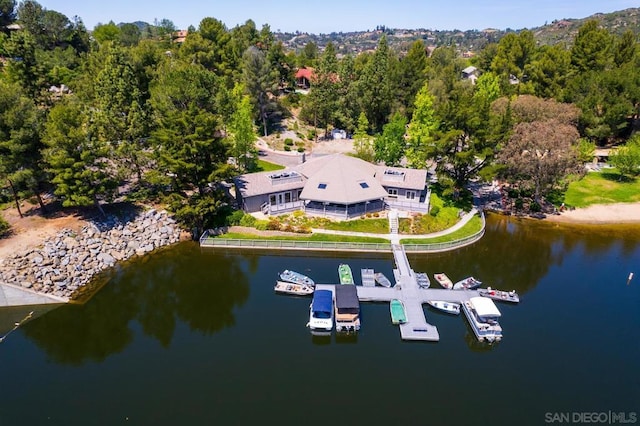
[[334, 185]]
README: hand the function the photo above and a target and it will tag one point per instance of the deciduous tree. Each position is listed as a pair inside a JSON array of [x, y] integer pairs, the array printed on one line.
[[540, 153], [390, 145]]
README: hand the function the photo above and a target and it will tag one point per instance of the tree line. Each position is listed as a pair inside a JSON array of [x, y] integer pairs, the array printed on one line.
[[88, 115]]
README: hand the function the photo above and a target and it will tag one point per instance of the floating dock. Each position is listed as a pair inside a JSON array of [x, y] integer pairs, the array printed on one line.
[[410, 293], [412, 296], [368, 277]]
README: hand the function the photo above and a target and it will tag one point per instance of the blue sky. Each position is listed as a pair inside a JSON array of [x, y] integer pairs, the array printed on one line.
[[345, 15]]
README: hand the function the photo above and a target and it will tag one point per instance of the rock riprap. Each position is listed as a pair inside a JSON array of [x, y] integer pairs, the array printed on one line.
[[68, 261]]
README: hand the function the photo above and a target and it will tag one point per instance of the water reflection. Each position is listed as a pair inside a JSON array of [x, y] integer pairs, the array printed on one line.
[[177, 285]]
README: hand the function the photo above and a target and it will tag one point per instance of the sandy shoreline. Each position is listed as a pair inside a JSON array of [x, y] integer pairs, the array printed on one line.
[[600, 214]]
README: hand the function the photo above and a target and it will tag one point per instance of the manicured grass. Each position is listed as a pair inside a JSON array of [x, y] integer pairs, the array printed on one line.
[[470, 228], [265, 166], [602, 188], [302, 237], [373, 226]]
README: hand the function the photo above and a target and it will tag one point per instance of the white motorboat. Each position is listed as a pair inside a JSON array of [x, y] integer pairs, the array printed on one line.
[[468, 283], [448, 307], [284, 287], [483, 316], [295, 277], [444, 280], [499, 295], [382, 279]]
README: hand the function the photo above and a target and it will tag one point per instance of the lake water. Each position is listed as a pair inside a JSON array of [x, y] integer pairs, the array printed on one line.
[[189, 336]]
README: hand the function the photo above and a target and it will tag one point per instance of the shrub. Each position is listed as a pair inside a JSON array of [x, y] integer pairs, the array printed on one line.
[[248, 220], [235, 218], [300, 149], [287, 148], [4, 226], [288, 228], [518, 203], [300, 135], [534, 207], [288, 141], [273, 225], [434, 211], [311, 134], [261, 225]]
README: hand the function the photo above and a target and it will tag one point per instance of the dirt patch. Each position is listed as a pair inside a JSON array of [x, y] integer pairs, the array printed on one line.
[[33, 228]]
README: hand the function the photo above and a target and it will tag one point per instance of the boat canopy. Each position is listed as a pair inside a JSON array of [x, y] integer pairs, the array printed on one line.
[[347, 299], [322, 301], [484, 307]]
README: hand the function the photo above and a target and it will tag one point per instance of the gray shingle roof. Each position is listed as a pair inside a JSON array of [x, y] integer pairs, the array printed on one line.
[[338, 178], [411, 178], [253, 184], [335, 178]]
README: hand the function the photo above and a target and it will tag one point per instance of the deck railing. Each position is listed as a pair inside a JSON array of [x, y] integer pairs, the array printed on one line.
[[206, 241]]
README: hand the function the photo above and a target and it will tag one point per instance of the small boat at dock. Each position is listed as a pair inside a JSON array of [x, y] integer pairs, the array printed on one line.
[[284, 287], [448, 307], [321, 313], [382, 279], [444, 280], [423, 280], [296, 278], [398, 313], [502, 296], [468, 283], [345, 274], [347, 309]]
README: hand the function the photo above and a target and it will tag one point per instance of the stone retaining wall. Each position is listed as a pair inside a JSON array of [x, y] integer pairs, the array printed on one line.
[[68, 261]]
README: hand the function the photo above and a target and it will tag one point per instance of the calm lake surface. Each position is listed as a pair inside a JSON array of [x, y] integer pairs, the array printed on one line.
[[190, 337]]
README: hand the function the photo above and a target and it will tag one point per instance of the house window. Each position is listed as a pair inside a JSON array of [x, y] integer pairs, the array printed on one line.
[[411, 195], [272, 200], [364, 185], [393, 192], [287, 197], [322, 186]]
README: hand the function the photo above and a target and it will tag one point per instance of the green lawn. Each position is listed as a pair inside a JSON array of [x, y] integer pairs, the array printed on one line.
[[373, 226], [602, 188], [307, 237], [470, 228], [265, 166]]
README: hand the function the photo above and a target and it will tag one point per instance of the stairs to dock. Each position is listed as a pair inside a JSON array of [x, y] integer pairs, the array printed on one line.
[[393, 221]]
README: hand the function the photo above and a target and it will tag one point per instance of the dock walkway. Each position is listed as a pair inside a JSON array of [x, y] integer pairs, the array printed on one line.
[[412, 296]]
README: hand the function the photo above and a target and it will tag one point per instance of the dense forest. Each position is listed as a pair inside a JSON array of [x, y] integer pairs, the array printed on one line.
[[133, 111]]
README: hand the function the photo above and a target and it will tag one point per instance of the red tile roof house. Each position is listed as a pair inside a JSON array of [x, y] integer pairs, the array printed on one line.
[[304, 76], [334, 185]]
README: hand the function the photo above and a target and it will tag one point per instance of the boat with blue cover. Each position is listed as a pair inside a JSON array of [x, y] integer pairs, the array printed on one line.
[[321, 312]]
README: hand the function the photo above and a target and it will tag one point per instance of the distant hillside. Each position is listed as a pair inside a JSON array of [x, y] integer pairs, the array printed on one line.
[[564, 31], [559, 31]]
